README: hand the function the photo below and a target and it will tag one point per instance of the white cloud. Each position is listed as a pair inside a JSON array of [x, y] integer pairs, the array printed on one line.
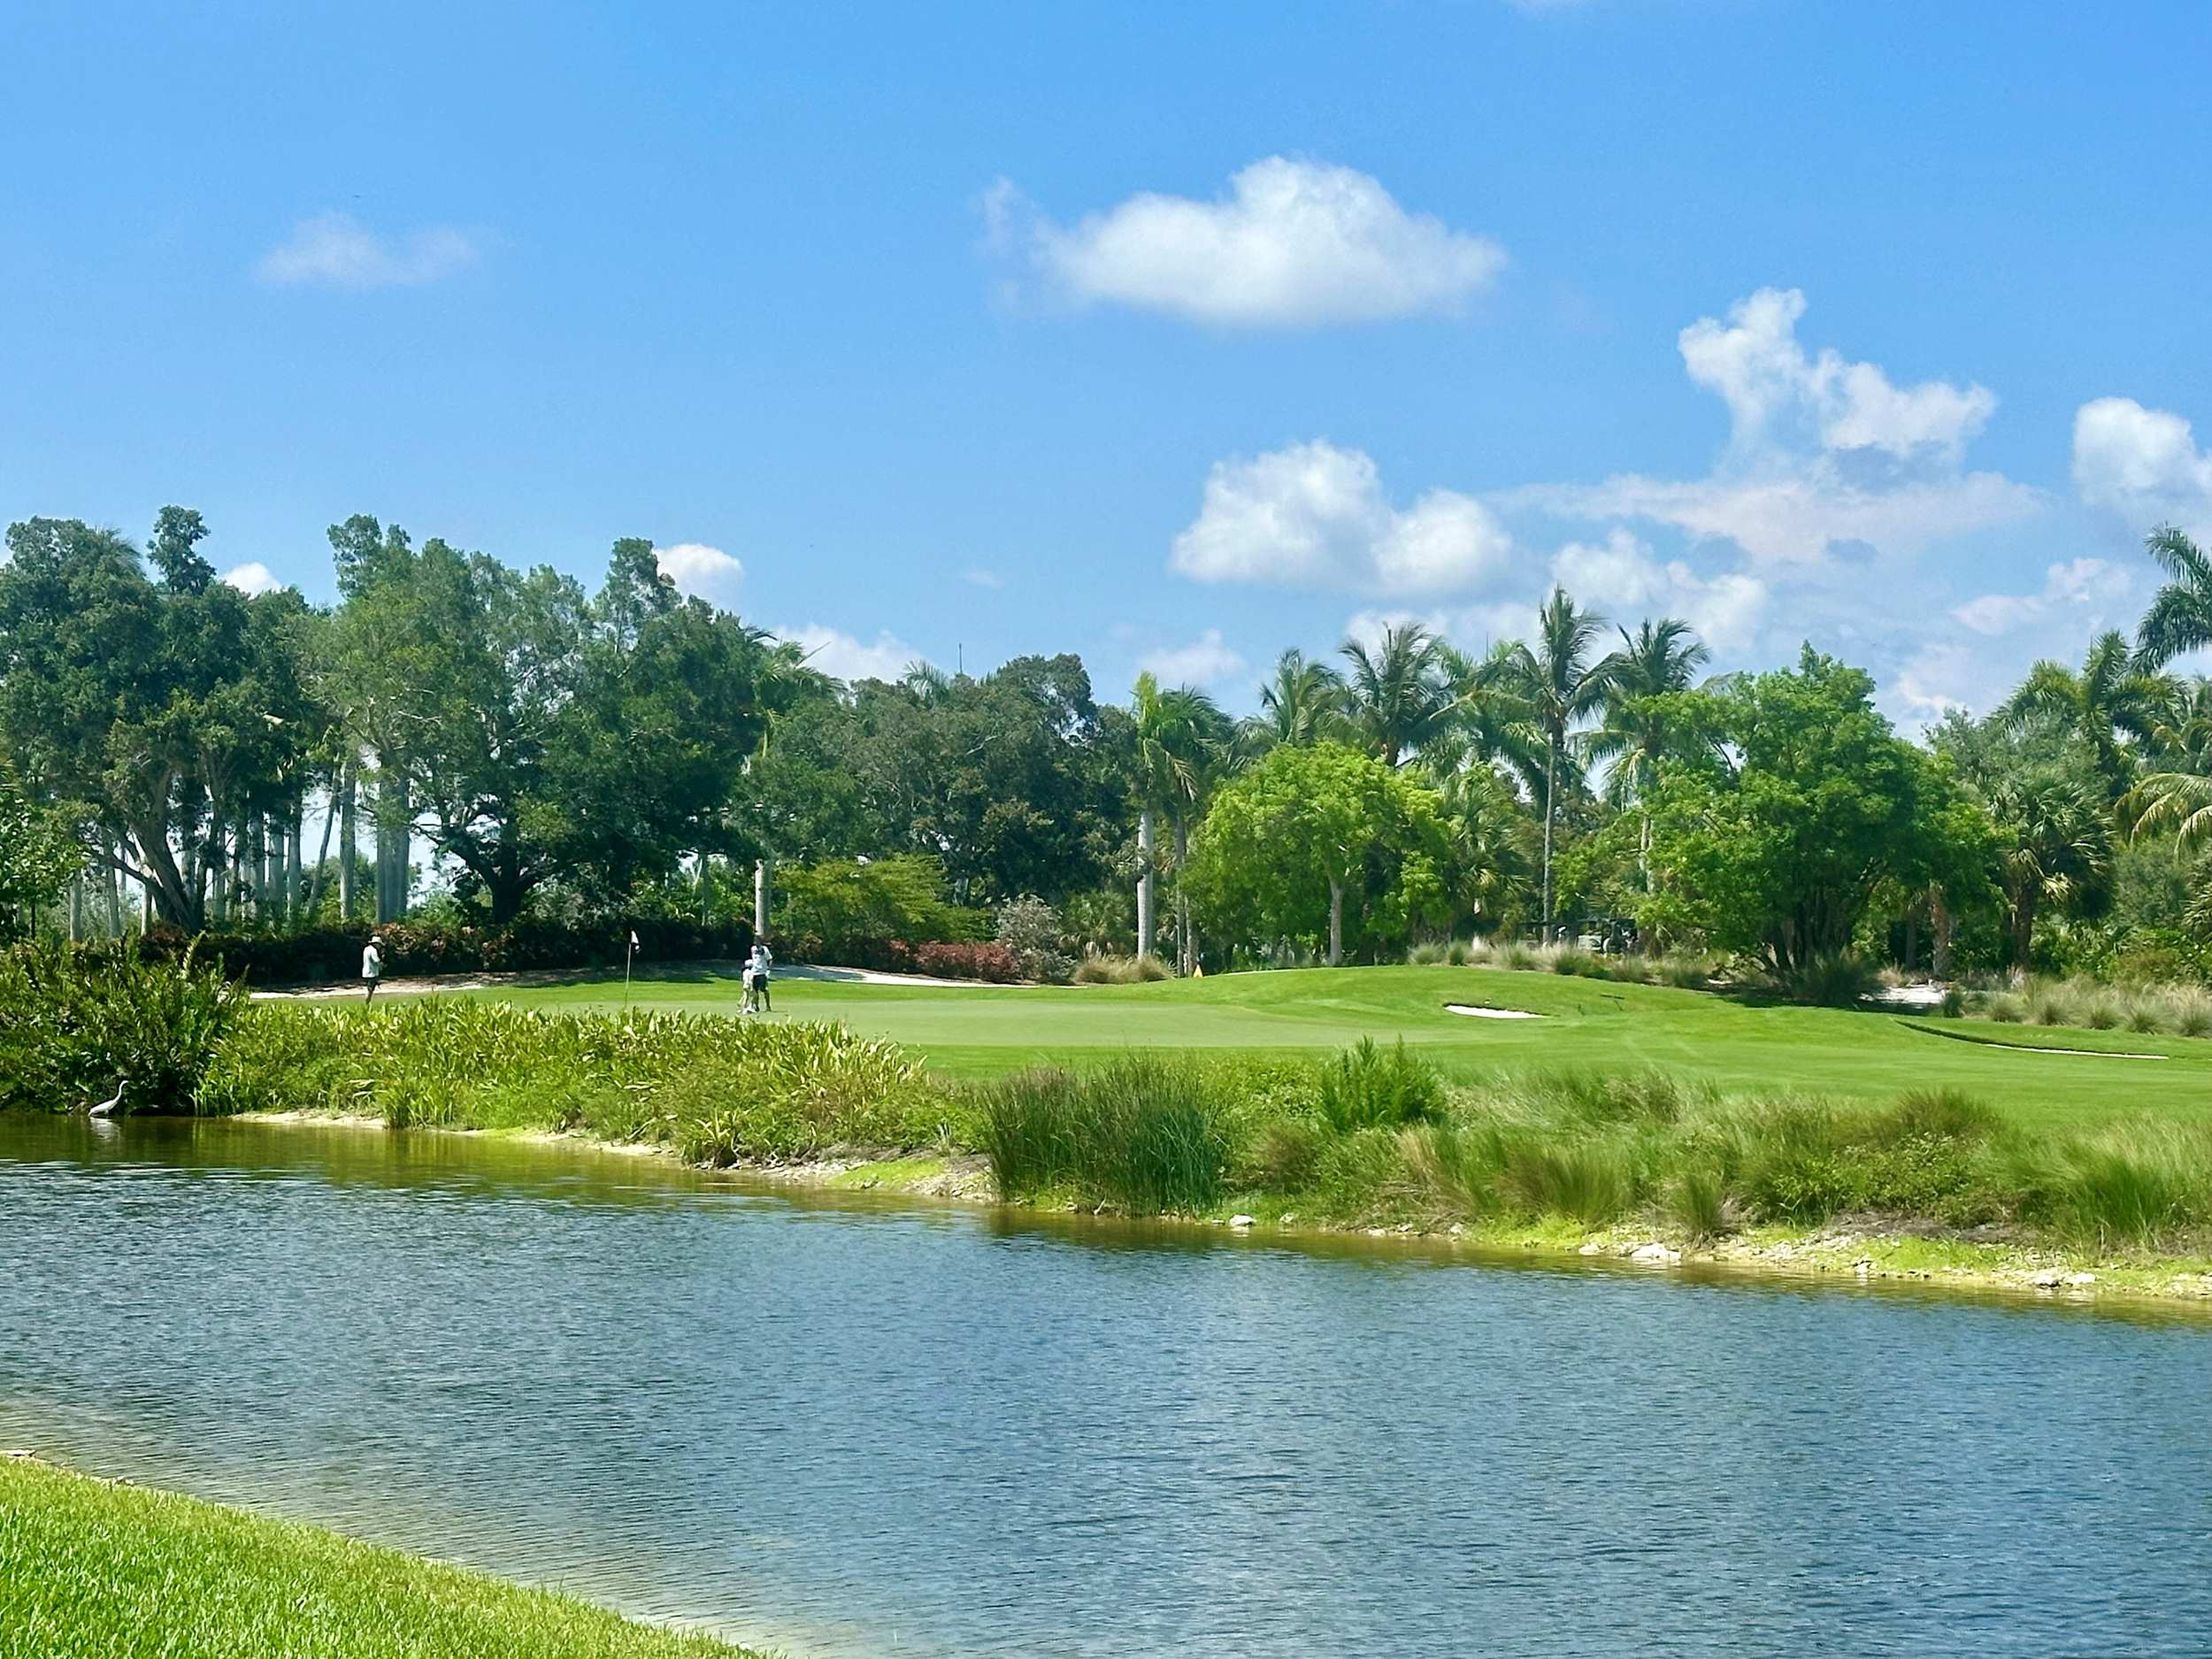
[[1291, 244], [2065, 588], [1206, 660], [2142, 464], [1821, 451], [843, 656], [707, 572], [976, 576], [337, 251], [1620, 577], [255, 578], [1313, 515]]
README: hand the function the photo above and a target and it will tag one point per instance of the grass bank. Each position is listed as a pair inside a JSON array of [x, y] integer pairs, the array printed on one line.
[[1375, 1137], [89, 1567]]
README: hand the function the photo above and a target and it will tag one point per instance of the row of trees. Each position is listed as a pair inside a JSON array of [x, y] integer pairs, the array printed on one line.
[[564, 750]]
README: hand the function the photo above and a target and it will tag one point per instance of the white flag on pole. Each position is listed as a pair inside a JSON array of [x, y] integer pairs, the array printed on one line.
[[633, 939]]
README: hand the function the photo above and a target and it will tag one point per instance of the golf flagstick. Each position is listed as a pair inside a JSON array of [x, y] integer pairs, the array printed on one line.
[[627, 960]]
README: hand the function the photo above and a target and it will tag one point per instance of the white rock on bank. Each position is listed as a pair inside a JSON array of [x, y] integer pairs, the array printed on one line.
[[1653, 1252], [1243, 1221]]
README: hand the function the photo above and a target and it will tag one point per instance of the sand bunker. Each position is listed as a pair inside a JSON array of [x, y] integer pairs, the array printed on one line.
[[1473, 1012]]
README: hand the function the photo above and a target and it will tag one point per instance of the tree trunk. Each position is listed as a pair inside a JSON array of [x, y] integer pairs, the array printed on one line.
[[348, 838], [1940, 918], [76, 909], [115, 900], [1182, 952], [1336, 923], [2023, 929], [217, 868], [319, 874], [1144, 882], [1551, 802], [295, 874]]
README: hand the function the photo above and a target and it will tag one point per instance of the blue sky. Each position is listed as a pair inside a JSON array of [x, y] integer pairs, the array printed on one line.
[[1165, 334]]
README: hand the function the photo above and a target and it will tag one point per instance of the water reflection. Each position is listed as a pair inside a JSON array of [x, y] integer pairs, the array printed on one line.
[[854, 1425]]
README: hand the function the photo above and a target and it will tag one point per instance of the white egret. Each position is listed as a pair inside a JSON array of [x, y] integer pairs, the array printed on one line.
[[106, 1108]]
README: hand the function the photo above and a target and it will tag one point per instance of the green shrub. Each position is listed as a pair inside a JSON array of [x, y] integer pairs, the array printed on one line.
[[2101, 1015], [2005, 1009], [1369, 1087], [1842, 980], [77, 1026], [1698, 1202], [1030, 931], [1458, 953], [1954, 1003], [1685, 971], [1431, 954]]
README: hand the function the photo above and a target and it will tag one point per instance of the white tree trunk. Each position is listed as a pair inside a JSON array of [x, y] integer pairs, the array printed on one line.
[[1336, 923], [1551, 802], [1144, 882], [349, 840]]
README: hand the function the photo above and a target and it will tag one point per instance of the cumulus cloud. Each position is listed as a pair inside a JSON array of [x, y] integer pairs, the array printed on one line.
[[2066, 588], [843, 656], [1291, 244], [254, 578], [2142, 464], [1206, 660], [1621, 577], [1313, 515], [337, 251], [695, 568], [1821, 451]]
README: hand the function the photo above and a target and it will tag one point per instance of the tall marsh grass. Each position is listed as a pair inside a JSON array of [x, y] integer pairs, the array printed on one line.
[[1141, 1135]]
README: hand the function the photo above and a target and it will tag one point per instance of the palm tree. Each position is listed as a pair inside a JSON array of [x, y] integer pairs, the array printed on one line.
[[1396, 693], [1561, 687], [1487, 721], [1636, 735], [1303, 703], [1484, 819], [2112, 695], [2055, 846], [2180, 617], [1181, 734]]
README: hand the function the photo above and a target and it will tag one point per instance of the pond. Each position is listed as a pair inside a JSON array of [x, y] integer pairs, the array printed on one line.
[[845, 1427]]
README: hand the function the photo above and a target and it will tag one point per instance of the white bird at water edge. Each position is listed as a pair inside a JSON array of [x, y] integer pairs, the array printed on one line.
[[106, 1108]]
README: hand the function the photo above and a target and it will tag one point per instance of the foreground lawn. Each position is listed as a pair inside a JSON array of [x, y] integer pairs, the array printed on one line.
[[91, 1568], [981, 1030]]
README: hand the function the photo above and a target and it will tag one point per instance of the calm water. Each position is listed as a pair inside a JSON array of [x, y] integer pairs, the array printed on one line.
[[864, 1429]]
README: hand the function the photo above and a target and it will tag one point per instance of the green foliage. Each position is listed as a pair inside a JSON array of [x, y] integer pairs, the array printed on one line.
[[1308, 826], [1142, 1135], [1369, 1087], [1842, 979], [717, 1089], [74, 1025], [1776, 848], [37, 856], [845, 905]]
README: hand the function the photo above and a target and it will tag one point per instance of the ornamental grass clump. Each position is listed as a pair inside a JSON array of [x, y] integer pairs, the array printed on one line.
[[1139, 1135], [2132, 1186], [1369, 1087]]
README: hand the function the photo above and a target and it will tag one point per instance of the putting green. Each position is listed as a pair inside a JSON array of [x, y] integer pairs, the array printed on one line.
[[1739, 1044]]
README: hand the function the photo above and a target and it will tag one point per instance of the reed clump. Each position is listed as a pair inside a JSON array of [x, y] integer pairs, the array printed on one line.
[[1113, 970]]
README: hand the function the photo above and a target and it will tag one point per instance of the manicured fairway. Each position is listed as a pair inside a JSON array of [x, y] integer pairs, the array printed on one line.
[[979, 1031]]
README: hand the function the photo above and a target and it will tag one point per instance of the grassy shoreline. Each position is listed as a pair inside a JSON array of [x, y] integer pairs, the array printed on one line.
[[90, 1566], [1839, 1255]]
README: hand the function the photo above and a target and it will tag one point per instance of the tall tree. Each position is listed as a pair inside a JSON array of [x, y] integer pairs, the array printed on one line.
[[1555, 674], [2180, 615], [1395, 692], [1303, 704], [1638, 729], [2054, 845], [1300, 836], [2110, 699], [1177, 734], [1776, 843]]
